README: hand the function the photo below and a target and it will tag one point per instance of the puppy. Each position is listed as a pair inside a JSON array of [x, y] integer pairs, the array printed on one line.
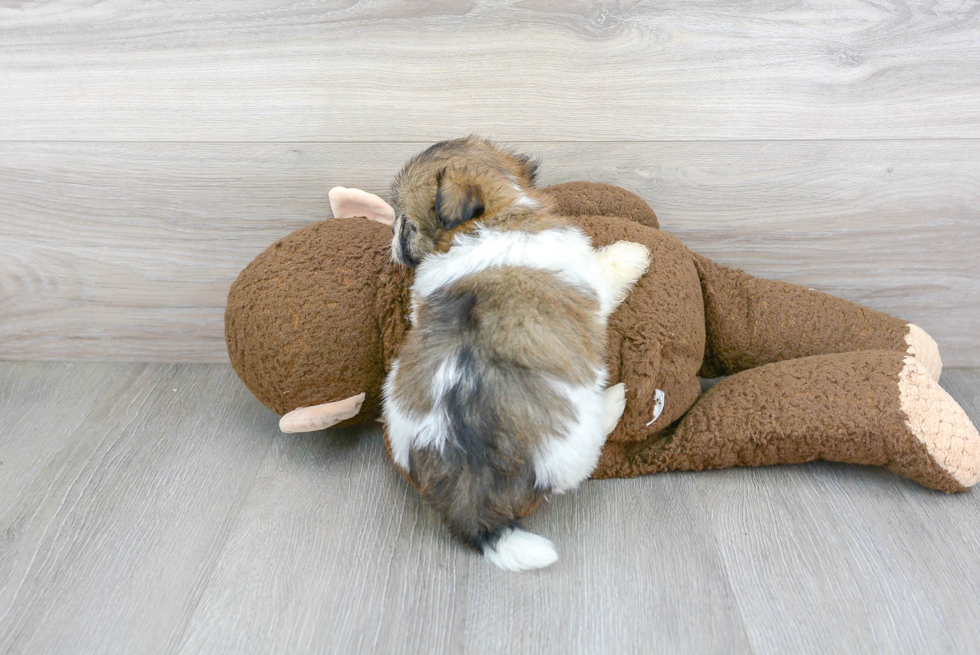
[[498, 398]]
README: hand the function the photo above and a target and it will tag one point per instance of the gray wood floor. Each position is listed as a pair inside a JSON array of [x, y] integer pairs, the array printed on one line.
[[156, 508]]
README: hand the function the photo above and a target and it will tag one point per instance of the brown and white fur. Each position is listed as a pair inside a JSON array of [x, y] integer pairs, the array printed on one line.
[[498, 398]]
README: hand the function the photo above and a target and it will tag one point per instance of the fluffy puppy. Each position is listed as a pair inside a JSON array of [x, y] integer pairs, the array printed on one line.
[[498, 397]]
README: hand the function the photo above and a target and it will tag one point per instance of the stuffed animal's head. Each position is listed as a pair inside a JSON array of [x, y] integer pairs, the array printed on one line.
[[310, 322]]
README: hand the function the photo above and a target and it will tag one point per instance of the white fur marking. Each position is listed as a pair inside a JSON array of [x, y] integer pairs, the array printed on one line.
[[658, 405], [562, 462], [407, 431], [520, 550], [396, 243], [614, 403], [623, 263], [526, 201], [566, 252]]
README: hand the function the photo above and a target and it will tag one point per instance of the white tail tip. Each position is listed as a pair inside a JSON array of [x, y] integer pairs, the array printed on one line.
[[520, 550]]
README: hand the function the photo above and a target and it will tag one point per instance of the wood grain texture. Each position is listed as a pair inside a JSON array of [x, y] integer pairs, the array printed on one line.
[[835, 558], [652, 586], [119, 487], [964, 386], [335, 548], [330, 552], [136, 518], [126, 251], [395, 71]]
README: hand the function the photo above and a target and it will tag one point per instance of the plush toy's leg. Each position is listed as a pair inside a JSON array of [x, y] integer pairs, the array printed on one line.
[[873, 407], [751, 321]]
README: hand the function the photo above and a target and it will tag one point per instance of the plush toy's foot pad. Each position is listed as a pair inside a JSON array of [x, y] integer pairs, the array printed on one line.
[[924, 348], [939, 423]]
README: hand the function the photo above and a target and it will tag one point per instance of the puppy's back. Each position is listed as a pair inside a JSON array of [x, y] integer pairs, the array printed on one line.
[[483, 382]]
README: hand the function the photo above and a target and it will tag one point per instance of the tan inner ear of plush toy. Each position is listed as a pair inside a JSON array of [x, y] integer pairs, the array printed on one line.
[[349, 203], [924, 348], [321, 417], [939, 423]]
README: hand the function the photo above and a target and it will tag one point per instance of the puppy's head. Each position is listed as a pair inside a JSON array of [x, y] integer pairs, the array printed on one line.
[[450, 187]]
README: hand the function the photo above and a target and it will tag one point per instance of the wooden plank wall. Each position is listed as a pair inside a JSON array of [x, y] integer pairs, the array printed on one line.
[[149, 150]]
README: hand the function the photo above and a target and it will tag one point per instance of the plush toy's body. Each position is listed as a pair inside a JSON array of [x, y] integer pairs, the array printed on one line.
[[315, 321]]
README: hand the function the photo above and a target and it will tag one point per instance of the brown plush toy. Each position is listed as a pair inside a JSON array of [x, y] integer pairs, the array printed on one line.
[[313, 323]]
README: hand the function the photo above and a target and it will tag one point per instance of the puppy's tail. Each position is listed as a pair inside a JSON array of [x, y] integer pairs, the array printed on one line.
[[515, 549]]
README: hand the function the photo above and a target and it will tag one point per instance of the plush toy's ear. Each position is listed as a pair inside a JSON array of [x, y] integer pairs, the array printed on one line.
[[458, 199], [347, 203], [321, 417]]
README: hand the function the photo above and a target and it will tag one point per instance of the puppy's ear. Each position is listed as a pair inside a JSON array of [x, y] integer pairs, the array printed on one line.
[[457, 199], [530, 167]]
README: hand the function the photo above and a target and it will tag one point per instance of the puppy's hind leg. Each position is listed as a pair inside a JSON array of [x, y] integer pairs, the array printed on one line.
[[623, 263]]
